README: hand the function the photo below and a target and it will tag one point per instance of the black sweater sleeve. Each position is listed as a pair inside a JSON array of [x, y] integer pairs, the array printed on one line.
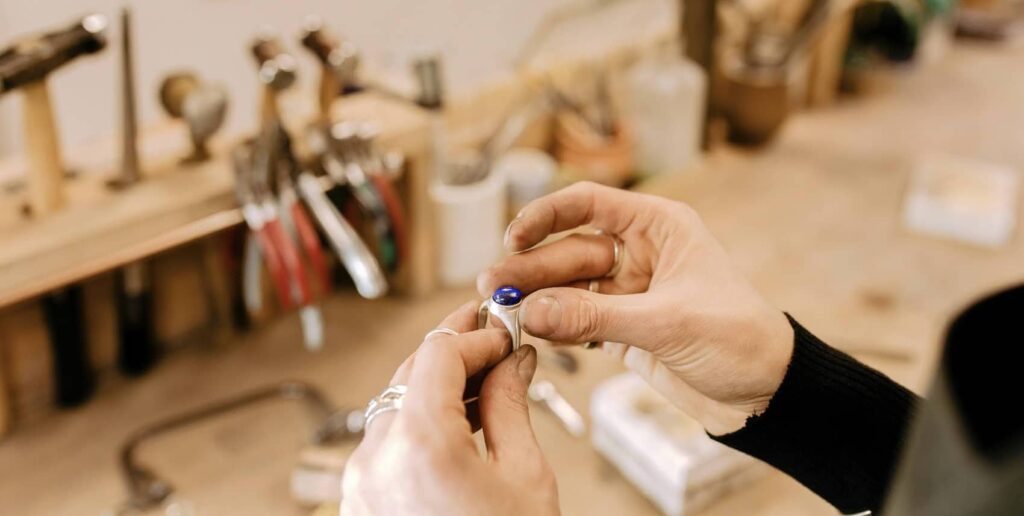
[[835, 425]]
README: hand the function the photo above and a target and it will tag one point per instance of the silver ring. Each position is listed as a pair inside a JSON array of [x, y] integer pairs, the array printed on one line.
[[618, 250], [389, 400], [440, 331]]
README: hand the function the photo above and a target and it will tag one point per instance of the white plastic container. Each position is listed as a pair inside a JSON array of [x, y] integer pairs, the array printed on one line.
[[529, 173], [470, 227], [665, 101]]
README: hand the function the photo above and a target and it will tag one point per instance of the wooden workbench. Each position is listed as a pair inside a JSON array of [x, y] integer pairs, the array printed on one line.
[[814, 221]]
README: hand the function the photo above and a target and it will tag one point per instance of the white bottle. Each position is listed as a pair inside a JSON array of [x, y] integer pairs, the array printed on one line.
[[665, 101]]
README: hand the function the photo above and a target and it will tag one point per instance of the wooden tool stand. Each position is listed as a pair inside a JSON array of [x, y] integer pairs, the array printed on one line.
[[99, 230]]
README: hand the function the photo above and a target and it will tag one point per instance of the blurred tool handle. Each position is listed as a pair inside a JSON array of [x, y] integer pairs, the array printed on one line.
[[275, 265], [135, 326], [355, 256], [298, 280], [396, 213], [372, 205], [310, 241], [73, 379], [46, 178]]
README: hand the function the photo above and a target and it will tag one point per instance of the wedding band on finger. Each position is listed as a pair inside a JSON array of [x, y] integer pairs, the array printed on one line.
[[618, 250], [440, 331], [391, 399]]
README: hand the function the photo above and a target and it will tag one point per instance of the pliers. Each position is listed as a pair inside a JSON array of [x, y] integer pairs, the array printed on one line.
[[357, 259], [260, 242], [342, 167], [380, 175], [269, 242]]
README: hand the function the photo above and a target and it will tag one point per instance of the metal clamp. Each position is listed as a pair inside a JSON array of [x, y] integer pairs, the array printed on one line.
[[147, 490]]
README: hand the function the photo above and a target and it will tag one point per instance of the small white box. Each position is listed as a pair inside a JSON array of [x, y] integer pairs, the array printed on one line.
[[962, 199], [662, 451]]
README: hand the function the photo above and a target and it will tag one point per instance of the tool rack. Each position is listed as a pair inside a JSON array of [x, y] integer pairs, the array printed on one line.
[[102, 229]]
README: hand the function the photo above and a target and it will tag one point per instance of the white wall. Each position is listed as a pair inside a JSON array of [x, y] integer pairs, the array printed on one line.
[[478, 40]]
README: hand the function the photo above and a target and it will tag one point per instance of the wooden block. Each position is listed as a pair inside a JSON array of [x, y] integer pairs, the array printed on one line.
[[827, 60], [6, 399]]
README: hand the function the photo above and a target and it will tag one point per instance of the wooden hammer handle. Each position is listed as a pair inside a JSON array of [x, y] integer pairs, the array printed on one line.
[[46, 174], [320, 43]]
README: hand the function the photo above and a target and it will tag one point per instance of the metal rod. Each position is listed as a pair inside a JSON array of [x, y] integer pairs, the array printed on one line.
[[129, 122]]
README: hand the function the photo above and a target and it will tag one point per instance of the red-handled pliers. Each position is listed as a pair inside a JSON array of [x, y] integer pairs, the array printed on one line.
[[260, 234], [298, 223], [264, 164]]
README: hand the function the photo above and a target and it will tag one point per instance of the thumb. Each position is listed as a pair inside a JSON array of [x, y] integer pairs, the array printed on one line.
[[505, 417], [574, 315]]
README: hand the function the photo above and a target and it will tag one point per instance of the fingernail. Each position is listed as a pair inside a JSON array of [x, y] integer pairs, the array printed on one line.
[[526, 358], [508, 231], [541, 317]]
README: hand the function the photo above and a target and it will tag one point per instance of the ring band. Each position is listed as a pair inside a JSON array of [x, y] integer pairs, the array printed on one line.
[[618, 249], [390, 399], [440, 331]]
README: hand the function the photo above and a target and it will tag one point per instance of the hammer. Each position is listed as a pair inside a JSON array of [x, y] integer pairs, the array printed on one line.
[[25, 66], [276, 72], [339, 61]]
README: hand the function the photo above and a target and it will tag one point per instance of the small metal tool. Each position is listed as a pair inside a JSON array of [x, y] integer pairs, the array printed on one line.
[[130, 173], [545, 392], [427, 70], [504, 305]]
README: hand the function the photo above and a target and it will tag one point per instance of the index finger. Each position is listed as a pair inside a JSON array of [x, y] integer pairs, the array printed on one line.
[[584, 203], [443, 365]]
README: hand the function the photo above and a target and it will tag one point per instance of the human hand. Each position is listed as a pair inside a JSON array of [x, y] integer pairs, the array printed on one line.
[[422, 459], [677, 312]]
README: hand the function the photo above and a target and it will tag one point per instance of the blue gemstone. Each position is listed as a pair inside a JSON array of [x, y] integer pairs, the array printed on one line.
[[507, 296]]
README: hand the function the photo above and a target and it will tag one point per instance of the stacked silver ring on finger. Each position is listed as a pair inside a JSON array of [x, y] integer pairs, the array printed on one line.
[[389, 400]]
